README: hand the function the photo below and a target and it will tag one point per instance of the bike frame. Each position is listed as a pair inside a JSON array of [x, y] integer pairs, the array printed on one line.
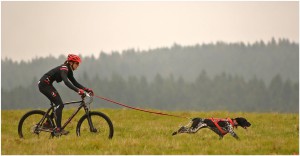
[[75, 112], [82, 105]]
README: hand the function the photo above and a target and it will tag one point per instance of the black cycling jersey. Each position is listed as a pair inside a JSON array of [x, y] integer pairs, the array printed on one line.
[[62, 73]]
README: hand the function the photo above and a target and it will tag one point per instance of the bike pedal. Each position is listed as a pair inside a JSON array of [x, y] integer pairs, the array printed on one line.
[[57, 135]]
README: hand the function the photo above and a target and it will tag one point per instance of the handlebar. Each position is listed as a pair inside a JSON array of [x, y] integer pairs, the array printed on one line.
[[85, 94], [88, 96]]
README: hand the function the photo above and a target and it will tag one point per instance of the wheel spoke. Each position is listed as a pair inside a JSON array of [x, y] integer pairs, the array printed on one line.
[[101, 127], [30, 128]]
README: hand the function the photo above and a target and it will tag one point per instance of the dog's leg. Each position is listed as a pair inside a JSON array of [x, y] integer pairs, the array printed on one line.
[[230, 130], [196, 129], [198, 123], [183, 129], [220, 137], [234, 135], [216, 130], [192, 127]]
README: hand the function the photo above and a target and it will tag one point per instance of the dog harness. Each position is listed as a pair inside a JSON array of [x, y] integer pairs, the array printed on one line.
[[217, 120]]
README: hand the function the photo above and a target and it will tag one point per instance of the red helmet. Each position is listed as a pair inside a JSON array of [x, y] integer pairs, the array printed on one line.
[[73, 58]]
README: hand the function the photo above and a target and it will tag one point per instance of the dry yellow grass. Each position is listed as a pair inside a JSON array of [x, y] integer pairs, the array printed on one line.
[[143, 133]]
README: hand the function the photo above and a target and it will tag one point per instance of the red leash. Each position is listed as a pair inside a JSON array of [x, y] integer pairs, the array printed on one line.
[[139, 109]]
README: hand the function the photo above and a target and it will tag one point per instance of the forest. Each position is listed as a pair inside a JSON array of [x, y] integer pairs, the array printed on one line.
[[258, 77]]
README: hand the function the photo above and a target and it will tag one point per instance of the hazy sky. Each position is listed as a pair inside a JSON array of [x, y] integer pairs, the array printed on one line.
[[30, 29]]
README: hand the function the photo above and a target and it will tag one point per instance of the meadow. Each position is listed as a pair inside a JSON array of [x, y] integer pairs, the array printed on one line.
[[143, 133]]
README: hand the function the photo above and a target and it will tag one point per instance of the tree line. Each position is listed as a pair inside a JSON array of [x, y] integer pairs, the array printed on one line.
[[223, 92], [260, 59], [230, 76]]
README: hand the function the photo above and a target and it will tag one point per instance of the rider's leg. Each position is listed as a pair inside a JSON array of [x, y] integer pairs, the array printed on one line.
[[59, 106], [51, 93]]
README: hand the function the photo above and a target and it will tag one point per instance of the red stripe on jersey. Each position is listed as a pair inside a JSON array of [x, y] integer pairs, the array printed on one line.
[[64, 68]]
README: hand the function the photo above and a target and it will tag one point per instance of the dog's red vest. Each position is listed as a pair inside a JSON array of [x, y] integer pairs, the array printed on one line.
[[217, 120]]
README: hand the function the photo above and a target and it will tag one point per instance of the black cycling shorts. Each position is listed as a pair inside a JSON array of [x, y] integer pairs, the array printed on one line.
[[50, 92]]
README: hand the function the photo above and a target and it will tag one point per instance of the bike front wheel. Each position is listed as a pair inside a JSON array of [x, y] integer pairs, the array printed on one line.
[[31, 126], [95, 124]]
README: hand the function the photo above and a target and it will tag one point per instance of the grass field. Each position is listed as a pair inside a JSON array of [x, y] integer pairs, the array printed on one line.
[[143, 133]]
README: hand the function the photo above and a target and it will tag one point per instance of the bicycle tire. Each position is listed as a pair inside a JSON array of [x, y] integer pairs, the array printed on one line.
[[104, 127], [27, 124]]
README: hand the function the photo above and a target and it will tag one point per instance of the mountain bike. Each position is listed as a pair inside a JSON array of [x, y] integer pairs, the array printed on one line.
[[91, 123]]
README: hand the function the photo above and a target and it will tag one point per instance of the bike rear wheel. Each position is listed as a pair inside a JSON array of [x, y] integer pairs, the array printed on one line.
[[103, 126], [29, 126]]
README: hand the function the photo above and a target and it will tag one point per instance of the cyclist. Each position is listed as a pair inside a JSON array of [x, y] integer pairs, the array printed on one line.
[[60, 73]]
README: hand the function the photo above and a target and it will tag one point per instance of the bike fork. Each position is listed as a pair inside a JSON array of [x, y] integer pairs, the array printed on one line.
[[92, 128]]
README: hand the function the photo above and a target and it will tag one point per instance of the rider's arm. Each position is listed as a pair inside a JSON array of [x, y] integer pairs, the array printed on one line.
[[75, 83], [64, 73]]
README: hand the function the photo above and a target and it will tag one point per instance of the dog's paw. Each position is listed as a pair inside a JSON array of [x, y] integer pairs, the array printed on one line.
[[182, 129], [174, 133]]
